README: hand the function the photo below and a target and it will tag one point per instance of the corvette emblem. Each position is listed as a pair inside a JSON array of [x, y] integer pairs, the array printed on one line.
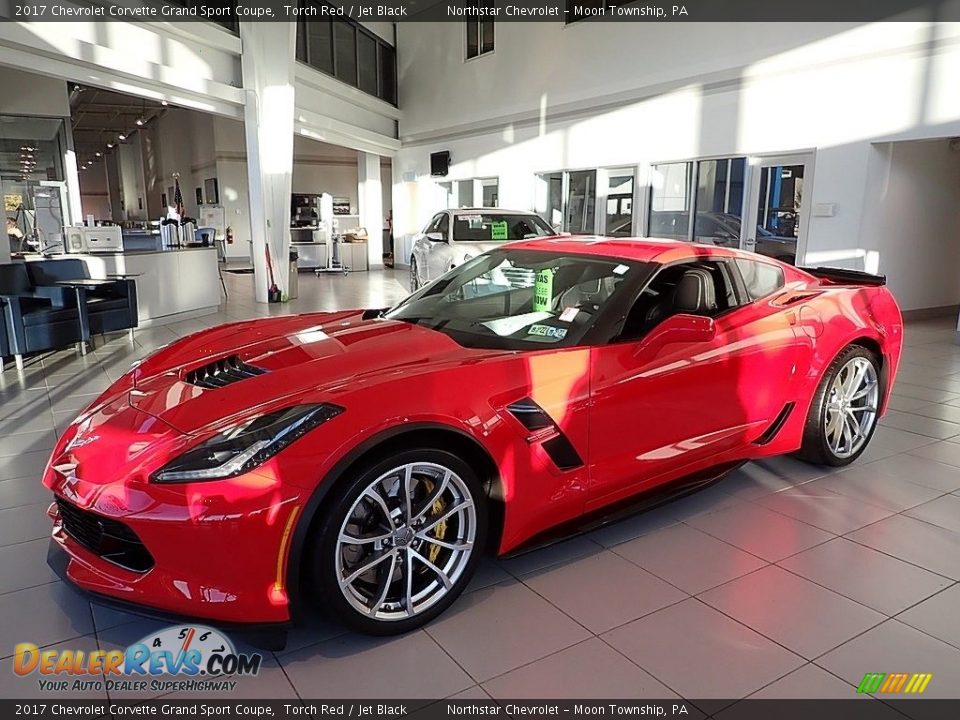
[[80, 442]]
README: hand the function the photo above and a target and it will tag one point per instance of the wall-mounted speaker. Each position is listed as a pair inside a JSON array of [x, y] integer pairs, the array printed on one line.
[[440, 163]]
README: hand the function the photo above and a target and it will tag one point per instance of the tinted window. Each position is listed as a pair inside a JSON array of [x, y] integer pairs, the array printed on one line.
[[486, 227], [444, 225], [760, 279], [345, 47], [517, 299]]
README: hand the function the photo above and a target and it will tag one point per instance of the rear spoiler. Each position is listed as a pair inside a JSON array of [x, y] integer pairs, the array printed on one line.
[[842, 276]]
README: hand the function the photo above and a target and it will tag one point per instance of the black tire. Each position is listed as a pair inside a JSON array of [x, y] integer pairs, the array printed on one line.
[[414, 276], [815, 448], [325, 547]]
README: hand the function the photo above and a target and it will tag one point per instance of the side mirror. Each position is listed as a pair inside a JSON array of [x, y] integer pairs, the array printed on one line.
[[435, 237], [682, 328]]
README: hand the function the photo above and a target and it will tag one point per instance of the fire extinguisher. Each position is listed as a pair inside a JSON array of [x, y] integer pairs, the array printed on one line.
[[229, 235]]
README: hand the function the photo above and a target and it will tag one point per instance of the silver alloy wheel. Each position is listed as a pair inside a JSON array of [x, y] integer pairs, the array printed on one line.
[[405, 541], [851, 407]]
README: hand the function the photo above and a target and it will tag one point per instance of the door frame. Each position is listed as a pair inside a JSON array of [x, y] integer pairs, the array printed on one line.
[[755, 165]]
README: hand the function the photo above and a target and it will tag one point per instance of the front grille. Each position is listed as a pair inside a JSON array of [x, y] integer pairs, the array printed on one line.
[[110, 539], [223, 372]]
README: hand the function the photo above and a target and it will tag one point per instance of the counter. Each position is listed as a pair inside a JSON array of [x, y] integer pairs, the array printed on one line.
[[172, 285]]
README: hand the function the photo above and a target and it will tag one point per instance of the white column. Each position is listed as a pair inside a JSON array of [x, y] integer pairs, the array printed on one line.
[[370, 195], [268, 62]]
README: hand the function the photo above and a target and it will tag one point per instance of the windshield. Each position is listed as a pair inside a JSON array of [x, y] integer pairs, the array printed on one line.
[[494, 227], [520, 299]]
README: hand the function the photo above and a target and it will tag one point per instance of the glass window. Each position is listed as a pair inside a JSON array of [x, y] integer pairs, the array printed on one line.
[[619, 220], [491, 187], [719, 201], [480, 33], [388, 73], [553, 200], [760, 278], [443, 227], [519, 299], [367, 63], [581, 201], [781, 189], [320, 45], [345, 52], [349, 52], [670, 200], [486, 227], [465, 193]]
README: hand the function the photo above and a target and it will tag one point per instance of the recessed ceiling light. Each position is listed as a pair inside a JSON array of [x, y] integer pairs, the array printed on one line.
[[99, 154], [109, 146], [139, 121], [121, 136], [164, 103]]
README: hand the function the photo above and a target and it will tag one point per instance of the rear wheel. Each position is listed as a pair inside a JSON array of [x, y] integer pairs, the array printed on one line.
[[401, 541], [844, 412]]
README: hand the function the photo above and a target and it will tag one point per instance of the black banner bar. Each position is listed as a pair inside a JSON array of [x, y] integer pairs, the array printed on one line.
[[862, 708], [560, 11]]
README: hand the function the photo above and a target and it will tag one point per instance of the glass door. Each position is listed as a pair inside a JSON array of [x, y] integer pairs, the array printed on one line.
[[779, 207]]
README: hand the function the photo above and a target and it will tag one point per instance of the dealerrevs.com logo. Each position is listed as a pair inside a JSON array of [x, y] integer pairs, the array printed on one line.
[[200, 657]]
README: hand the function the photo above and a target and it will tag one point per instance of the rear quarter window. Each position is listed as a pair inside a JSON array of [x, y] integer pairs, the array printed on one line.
[[760, 278]]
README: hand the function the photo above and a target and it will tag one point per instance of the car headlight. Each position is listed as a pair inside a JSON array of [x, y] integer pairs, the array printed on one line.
[[243, 447]]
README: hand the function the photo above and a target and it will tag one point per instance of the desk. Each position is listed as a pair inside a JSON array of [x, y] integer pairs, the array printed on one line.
[[172, 285]]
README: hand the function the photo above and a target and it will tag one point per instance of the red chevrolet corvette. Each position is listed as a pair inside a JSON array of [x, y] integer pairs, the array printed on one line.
[[359, 462]]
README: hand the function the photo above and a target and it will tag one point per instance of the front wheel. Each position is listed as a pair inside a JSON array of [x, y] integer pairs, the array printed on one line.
[[400, 541], [845, 409]]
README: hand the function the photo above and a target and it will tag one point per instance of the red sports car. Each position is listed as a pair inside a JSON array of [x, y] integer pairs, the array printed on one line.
[[361, 461]]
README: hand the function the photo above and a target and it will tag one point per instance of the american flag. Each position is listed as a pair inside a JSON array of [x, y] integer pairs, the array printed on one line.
[[177, 197]]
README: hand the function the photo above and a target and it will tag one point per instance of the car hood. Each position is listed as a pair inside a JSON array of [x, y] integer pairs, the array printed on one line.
[[318, 357]]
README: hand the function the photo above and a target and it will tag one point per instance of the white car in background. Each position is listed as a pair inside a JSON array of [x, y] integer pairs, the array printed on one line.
[[454, 236]]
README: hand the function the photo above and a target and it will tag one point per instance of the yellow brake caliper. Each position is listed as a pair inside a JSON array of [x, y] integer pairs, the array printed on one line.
[[440, 530]]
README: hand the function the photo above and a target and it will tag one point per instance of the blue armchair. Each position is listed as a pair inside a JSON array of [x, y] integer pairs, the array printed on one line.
[[35, 318], [110, 307]]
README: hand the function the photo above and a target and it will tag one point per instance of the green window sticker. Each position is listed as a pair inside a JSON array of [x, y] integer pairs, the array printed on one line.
[[543, 291], [499, 231]]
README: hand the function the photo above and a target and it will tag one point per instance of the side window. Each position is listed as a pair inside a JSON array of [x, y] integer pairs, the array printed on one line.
[[695, 288], [444, 225], [760, 278]]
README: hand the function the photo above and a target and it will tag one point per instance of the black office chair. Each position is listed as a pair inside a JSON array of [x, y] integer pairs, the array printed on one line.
[[110, 307], [36, 319]]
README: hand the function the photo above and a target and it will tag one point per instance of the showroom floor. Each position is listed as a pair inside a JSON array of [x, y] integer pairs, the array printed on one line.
[[785, 580]]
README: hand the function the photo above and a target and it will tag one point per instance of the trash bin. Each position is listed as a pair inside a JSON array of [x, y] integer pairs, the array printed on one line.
[[294, 277]]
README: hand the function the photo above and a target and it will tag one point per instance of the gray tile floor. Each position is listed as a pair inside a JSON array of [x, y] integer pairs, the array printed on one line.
[[785, 580]]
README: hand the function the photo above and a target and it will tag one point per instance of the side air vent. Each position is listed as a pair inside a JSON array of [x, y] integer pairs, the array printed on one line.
[[533, 417], [545, 431], [222, 372], [776, 426]]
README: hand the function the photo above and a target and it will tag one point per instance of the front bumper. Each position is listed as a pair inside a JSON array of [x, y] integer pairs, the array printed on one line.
[[218, 556]]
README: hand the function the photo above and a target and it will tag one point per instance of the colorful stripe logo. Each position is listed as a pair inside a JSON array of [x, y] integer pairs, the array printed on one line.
[[892, 683]]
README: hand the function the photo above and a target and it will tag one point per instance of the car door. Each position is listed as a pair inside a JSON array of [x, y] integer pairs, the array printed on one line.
[[689, 391]]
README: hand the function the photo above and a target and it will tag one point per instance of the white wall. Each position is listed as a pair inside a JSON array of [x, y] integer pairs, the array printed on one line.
[[26, 93], [594, 95], [912, 221]]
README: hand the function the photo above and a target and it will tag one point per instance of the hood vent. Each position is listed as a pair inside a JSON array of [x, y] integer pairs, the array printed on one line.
[[222, 372]]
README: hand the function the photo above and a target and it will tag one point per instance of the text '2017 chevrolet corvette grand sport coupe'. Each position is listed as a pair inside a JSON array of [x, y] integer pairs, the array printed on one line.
[[360, 462]]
